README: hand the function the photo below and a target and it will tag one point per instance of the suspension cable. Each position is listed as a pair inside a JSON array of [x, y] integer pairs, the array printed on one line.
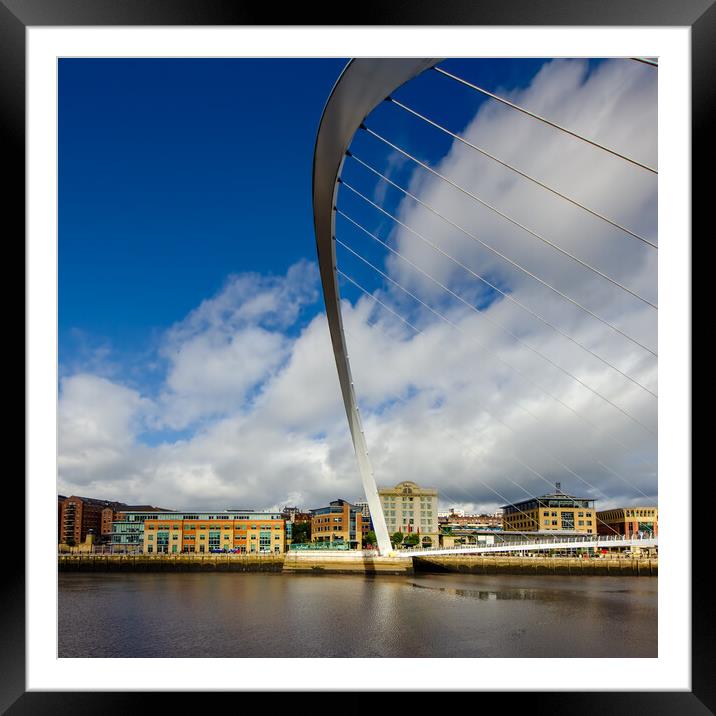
[[506, 295], [645, 60], [480, 343], [493, 416], [500, 495], [539, 183], [544, 120], [482, 482], [489, 206], [501, 255], [485, 315], [537, 420]]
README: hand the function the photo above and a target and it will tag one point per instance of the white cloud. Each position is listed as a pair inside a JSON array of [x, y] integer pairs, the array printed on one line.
[[232, 343], [261, 399]]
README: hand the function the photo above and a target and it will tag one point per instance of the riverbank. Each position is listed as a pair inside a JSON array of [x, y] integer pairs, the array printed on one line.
[[308, 563], [476, 564], [170, 563]]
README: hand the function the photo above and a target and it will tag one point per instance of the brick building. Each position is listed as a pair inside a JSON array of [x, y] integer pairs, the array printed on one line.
[[340, 522], [79, 515], [629, 521]]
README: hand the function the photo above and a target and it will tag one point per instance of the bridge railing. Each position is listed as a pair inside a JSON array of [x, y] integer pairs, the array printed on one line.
[[534, 544]]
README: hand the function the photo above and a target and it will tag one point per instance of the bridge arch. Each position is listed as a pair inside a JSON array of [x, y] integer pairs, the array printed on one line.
[[362, 85]]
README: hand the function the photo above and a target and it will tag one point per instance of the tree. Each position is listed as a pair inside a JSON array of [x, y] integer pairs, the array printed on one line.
[[411, 540], [370, 539], [397, 538], [301, 532]]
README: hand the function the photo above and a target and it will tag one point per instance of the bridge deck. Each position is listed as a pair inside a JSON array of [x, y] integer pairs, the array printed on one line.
[[530, 546]]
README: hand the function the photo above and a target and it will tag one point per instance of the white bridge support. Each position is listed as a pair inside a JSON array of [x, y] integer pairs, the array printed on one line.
[[363, 84], [558, 543]]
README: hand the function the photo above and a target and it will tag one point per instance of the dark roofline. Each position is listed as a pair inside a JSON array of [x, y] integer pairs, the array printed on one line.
[[144, 508], [561, 496]]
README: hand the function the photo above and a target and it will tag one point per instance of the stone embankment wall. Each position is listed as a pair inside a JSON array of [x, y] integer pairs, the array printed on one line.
[[307, 563], [169, 563], [355, 564], [538, 565]]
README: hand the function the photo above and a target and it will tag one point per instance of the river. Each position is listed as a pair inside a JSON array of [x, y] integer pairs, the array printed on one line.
[[275, 615]]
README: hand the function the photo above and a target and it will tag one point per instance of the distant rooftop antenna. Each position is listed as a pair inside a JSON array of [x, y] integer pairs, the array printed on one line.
[[559, 486]]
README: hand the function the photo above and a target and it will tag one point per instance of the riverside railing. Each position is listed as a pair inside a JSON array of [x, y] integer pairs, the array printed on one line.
[[566, 542]]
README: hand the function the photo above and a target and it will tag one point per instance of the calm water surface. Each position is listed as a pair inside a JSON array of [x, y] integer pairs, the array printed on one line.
[[275, 615]]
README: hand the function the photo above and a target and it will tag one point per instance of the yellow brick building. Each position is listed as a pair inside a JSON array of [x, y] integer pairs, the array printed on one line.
[[411, 509], [555, 511]]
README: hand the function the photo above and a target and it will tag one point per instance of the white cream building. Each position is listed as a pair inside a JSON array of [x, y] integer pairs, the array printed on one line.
[[411, 509]]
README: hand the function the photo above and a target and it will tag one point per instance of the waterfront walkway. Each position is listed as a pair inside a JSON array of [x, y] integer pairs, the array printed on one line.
[[551, 544]]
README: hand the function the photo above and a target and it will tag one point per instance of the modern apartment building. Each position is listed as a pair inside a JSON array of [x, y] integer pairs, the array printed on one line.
[[554, 511], [78, 516], [411, 509], [127, 533], [60, 500], [243, 531], [628, 521], [340, 522]]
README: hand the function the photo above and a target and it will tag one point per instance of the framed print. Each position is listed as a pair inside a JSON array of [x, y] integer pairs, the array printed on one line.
[[342, 352]]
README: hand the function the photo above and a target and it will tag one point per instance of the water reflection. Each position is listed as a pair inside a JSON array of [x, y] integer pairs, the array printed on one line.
[[483, 594], [274, 615]]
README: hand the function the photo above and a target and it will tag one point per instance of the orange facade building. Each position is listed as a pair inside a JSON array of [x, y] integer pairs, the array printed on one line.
[[340, 523], [244, 532], [629, 521]]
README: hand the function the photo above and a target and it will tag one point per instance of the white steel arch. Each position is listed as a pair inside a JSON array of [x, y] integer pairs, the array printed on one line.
[[362, 85]]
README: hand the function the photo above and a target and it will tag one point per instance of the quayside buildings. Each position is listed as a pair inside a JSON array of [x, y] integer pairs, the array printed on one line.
[[340, 522], [79, 517], [411, 514], [629, 521], [240, 531], [554, 511], [411, 509]]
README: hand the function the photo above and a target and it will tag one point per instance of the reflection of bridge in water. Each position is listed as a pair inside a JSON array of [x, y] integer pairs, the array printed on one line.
[[363, 85]]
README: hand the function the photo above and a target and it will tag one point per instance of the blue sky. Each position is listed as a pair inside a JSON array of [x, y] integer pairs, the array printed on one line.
[[189, 304], [174, 173]]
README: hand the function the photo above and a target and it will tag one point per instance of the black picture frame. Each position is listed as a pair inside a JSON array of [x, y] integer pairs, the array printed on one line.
[[17, 15]]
